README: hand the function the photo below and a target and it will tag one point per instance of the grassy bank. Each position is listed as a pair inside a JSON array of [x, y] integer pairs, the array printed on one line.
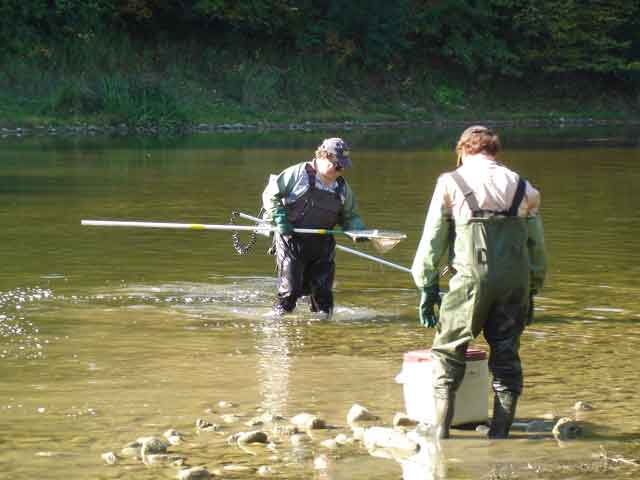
[[113, 82]]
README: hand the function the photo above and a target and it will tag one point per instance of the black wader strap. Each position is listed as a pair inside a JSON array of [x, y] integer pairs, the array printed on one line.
[[469, 196], [517, 198], [311, 174], [341, 187]]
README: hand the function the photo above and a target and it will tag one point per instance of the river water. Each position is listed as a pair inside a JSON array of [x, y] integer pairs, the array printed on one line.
[[110, 334]]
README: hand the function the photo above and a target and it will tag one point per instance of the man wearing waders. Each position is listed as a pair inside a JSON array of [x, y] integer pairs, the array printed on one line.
[[486, 217], [310, 195]]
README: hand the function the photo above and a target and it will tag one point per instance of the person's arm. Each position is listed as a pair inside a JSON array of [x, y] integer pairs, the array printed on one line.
[[277, 189], [434, 242], [535, 240], [537, 253], [350, 218]]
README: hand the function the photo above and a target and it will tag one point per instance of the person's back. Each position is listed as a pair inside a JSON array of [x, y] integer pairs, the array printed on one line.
[[485, 215]]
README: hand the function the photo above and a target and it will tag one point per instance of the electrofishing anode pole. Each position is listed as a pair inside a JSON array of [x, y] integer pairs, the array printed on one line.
[[358, 253], [342, 247], [253, 228]]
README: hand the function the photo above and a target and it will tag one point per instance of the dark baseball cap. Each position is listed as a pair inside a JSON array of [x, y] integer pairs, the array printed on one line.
[[339, 148]]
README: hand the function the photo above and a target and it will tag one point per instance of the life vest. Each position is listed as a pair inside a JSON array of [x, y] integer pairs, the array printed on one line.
[[317, 208]]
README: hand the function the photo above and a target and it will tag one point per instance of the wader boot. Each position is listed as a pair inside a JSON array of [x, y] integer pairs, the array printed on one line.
[[504, 409], [444, 415]]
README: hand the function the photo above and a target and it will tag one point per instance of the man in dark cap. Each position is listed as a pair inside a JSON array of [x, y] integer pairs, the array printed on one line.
[[311, 194]]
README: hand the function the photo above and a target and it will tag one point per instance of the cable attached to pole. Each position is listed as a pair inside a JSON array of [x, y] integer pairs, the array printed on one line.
[[238, 246]]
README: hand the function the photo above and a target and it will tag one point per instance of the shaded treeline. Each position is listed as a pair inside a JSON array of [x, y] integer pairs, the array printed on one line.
[[170, 60]]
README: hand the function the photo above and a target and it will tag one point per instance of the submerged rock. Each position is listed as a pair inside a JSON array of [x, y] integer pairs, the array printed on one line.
[[358, 413], [152, 446], [581, 406], [382, 437], [264, 418], [266, 470], [566, 429], [308, 421], [402, 420], [330, 443], [299, 439], [163, 459], [131, 449], [230, 418], [195, 473], [109, 458], [237, 468], [173, 436], [255, 436], [285, 430], [203, 425]]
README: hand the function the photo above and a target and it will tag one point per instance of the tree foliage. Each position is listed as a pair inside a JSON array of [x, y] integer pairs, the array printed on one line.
[[491, 38]]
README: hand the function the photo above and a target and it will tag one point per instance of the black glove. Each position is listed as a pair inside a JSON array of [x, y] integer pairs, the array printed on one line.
[[532, 293], [429, 298], [281, 222]]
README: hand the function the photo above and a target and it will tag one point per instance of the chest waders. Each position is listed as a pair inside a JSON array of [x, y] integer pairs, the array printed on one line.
[[489, 293], [306, 263]]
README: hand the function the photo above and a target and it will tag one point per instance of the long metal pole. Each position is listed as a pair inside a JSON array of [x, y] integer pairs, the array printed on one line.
[[196, 226], [343, 248]]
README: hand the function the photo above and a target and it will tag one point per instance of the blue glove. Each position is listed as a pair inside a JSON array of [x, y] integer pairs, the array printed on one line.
[[281, 222], [429, 298]]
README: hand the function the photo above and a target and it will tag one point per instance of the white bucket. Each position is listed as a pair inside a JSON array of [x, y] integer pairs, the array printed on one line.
[[472, 398]]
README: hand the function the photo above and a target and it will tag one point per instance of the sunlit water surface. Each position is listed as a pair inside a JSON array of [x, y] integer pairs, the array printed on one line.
[[107, 335]]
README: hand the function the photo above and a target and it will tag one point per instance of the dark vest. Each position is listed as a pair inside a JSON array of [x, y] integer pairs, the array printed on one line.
[[316, 208]]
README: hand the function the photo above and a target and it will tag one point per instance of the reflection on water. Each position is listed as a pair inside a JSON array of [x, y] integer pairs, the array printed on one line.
[[108, 335], [274, 363]]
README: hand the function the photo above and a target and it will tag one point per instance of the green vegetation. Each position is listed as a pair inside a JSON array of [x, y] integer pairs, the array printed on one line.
[[163, 62]]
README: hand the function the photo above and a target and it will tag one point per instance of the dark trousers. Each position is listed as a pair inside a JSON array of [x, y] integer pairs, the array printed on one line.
[[306, 266]]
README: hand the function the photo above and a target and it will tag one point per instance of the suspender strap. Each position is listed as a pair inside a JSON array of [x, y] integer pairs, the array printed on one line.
[[517, 198], [311, 173], [469, 196], [341, 187]]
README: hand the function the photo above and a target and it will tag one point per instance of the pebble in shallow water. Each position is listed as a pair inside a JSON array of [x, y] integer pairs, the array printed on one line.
[[388, 438], [358, 413], [308, 421], [173, 436], [255, 436], [203, 425], [152, 446], [266, 470], [581, 406], [566, 429], [109, 458], [402, 420], [131, 449], [195, 473]]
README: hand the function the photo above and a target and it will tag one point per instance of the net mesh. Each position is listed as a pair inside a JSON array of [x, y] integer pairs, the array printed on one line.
[[382, 240]]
